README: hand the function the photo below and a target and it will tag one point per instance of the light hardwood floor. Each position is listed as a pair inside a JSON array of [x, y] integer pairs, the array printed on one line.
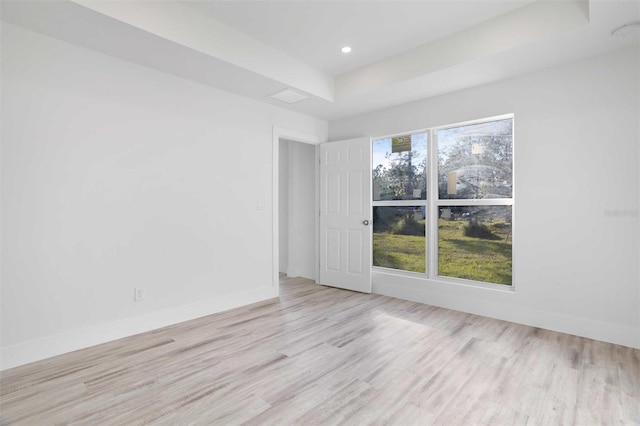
[[325, 356]]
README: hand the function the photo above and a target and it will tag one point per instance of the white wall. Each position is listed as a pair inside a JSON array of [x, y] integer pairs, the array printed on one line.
[[283, 204], [302, 211], [116, 176], [577, 139]]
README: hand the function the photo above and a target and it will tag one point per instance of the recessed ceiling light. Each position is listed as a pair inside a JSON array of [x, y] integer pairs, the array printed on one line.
[[345, 49]]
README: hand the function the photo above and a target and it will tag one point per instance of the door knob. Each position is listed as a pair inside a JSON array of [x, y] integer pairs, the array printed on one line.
[[365, 222]]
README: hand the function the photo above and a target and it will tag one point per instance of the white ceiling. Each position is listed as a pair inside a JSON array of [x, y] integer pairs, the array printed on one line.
[[314, 31], [402, 50]]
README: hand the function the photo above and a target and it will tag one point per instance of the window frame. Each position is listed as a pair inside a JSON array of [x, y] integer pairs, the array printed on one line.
[[404, 203], [433, 203]]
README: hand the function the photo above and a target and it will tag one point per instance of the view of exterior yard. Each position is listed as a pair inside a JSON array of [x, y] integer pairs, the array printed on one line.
[[479, 250], [473, 167]]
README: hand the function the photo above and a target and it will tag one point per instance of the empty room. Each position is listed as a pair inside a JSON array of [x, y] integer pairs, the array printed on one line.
[[320, 212]]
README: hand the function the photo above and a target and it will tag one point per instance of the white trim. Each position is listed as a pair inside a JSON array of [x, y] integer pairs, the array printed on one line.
[[432, 197], [399, 203], [282, 133], [440, 279], [446, 126], [442, 202], [46, 347], [473, 283], [317, 210], [424, 292], [472, 122]]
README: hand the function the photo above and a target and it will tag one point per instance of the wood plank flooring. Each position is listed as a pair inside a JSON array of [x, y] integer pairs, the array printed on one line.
[[323, 356]]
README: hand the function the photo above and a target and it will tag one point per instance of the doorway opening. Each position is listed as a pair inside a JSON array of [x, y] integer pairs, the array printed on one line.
[[295, 205], [297, 209]]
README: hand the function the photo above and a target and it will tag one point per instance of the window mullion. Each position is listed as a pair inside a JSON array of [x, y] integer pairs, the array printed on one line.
[[475, 202], [432, 197], [400, 203]]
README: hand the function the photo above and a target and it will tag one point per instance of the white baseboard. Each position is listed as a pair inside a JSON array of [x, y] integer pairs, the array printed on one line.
[[597, 330], [36, 350]]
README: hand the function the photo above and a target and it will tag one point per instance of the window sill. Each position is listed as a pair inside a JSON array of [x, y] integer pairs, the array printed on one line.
[[442, 281]]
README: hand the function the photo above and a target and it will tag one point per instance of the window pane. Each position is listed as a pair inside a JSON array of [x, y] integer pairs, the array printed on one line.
[[399, 238], [476, 161], [399, 168], [474, 243]]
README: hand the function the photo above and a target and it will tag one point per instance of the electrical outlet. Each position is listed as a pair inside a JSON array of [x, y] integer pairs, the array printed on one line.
[[138, 294]]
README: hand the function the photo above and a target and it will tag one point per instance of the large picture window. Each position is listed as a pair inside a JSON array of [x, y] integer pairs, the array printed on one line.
[[443, 202]]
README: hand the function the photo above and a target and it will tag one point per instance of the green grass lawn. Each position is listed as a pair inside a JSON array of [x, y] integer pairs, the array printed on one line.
[[459, 256], [406, 252], [474, 258]]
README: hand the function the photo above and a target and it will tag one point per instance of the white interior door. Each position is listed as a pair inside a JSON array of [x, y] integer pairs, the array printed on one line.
[[345, 214]]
